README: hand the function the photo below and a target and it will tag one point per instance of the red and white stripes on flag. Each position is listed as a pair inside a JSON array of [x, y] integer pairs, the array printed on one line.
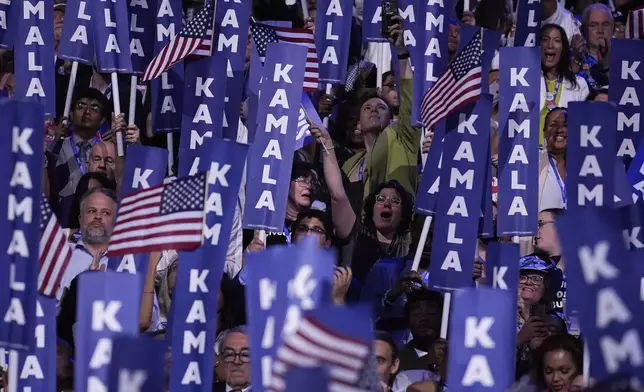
[[195, 39], [160, 218], [54, 252], [315, 345], [303, 37], [635, 24], [458, 86]]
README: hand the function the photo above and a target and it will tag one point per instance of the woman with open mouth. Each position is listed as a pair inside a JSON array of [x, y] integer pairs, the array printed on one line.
[[560, 84]]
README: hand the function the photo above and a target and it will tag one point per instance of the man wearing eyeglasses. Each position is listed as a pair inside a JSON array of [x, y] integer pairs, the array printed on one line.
[[68, 154], [236, 358], [315, 223]]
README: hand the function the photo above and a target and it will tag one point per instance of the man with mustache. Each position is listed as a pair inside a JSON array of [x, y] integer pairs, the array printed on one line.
[[97, 216]]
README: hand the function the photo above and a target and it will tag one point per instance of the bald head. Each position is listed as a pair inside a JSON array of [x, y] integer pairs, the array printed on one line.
[[102, 159]]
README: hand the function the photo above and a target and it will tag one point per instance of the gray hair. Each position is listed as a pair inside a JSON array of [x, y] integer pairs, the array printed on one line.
[[219, 343], [596, 7], [105, 191]]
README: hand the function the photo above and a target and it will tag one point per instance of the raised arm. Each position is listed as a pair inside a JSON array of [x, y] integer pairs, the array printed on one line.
[[341, 210]]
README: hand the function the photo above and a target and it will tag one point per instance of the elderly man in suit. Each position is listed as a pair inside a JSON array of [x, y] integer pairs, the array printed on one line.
[[235, 356]]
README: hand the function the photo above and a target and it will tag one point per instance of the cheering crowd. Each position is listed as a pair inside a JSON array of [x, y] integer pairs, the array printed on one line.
[[353, 189]]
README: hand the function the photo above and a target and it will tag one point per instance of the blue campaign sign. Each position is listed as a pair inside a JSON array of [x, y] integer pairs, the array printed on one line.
[[632, 226], [520, 76], [502, 273], [5, 33], [590, 158], [167, 93], [486, 221], [106, 307], [203, 110], [33, 53], [111, 36], [603, 282], [137, 364], [224, 162], [528, 24], [623, 194], [432, 56], [21, 163], [333, 21], [231, 35], [458, 209], [372, 21], [194, 314], [145, 167], [430, 182], [194, 319], [77, 40], [410, 11], [271, 154], [626, 85], [481, 357], [277, 292], [35, 370], [142, 24]]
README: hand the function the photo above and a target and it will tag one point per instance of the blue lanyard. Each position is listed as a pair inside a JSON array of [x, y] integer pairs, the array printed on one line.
[[361, 169], [551, 98], [81, 165], [562, 185], [287, 234]]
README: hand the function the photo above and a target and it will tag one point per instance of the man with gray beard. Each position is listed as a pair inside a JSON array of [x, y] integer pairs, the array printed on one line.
[[97, 216]]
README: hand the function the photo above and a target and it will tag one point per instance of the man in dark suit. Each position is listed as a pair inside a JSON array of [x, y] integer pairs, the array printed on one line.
[[236, 361]]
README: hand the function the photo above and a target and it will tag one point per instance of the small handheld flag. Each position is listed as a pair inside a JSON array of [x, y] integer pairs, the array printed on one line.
[[458, 86], [55, 252], [160, 218], [195, 39], [635, 24], [264, 34]]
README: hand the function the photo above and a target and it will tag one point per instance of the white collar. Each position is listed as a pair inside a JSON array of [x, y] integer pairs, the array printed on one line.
[[229, 388]]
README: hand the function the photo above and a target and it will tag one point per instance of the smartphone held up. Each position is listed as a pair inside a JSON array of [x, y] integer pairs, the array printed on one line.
[[389, 10]]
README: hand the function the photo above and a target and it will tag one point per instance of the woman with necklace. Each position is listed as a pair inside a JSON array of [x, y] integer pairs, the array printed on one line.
[[560, 84], [552, 161]]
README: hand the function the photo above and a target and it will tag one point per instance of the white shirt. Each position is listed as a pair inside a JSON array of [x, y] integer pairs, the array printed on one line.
[[565, 19], [569, 93], [229, 388], [551, 195], [80, 262]]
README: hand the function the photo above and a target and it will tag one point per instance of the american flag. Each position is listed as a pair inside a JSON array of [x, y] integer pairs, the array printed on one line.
[[635, 24], [263, 35], [314, 345], [195, 39], [162, 217], [459, 85], [55, 252]]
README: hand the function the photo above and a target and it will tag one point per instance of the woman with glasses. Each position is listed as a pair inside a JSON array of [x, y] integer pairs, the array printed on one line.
[[538, 279], [383, 230]]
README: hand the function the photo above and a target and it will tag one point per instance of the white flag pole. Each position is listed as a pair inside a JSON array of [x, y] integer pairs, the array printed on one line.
[[131, 114], [305, 9], [170, 137], [70, 89], [117, 111]]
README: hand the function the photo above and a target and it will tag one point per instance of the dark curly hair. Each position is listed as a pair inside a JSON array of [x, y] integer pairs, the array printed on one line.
[[567, 343], [406, 206], [564, 67]]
